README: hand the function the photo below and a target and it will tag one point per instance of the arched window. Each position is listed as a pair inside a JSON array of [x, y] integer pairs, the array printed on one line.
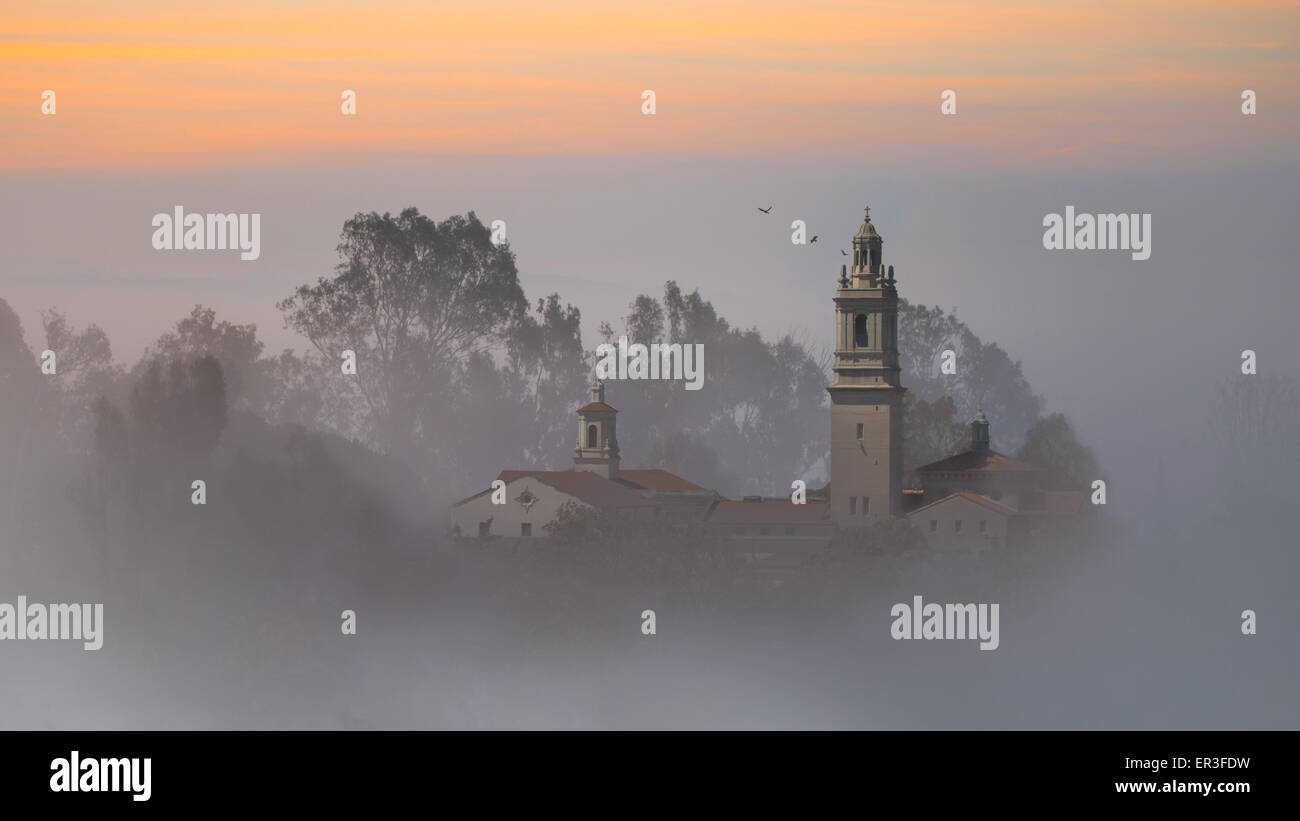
[[592, 435], [860, 331]]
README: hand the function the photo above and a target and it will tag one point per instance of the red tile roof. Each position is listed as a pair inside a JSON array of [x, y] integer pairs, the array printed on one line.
[[589, 487], [976, 461], [597, 407], [655, 479], [983, 501], [768, 511]]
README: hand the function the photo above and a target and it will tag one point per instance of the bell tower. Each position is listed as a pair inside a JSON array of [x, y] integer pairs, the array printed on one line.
[[597, 449], [867, 394]]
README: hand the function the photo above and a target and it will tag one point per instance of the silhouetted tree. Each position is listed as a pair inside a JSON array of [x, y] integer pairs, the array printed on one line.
[[110, 461], [300, 393], [931, 430], [236, 347], [761, 411], [85, 370], [80, 354], [20, 389], [414, 299], [179, 410], [688, 455], [986, 378], [548, 373], [1051, 444]]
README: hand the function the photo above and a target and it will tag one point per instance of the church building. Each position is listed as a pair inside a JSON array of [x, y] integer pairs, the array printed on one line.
[[981, 499], [974, 500], [527, 500]]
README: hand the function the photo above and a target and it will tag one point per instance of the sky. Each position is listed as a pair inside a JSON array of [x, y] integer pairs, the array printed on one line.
[[533, 114], [143, 85]]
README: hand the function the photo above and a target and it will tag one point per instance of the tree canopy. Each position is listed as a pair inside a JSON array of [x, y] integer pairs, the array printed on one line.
[[986, 379]]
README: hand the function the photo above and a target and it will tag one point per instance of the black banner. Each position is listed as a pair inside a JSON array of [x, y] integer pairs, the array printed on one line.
[[332, 770]]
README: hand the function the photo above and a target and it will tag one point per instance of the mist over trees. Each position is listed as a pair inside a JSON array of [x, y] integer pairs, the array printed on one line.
[[454, 371], [931, 431], [1253, 429], [45, 417], [235, 348], [18, 410], [326, 490], [756, 425], [1068, 464], [458, 375], [986, 379]]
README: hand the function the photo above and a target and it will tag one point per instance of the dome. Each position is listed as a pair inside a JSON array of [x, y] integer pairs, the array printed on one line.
[[867, 230]]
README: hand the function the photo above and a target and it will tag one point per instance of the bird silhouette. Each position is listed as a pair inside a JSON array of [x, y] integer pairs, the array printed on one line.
[[814, 239], [843, 253], [766, 210]]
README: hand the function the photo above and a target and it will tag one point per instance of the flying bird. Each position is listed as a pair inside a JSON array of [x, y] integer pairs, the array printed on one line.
[[814, 239], [843, 253], [766, 210]]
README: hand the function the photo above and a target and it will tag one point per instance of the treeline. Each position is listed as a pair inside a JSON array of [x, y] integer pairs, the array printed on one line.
[[457, 376]]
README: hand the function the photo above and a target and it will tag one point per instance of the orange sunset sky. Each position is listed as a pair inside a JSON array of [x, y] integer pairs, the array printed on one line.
[[179, 84]]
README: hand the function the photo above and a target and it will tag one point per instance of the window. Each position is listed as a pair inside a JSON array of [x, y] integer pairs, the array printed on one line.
[[789, 531], [853, 505], [934, 525], [484, 529], [859, 431], [956, 526], [526, 529], [866, 503], [592, 436], [983, 524], [860, 331]]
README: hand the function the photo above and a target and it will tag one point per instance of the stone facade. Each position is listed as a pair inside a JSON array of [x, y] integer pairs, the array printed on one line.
[[867, 394]]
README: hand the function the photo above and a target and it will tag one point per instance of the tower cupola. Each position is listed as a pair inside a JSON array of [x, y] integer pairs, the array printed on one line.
[[867, 248], [597, 449]]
